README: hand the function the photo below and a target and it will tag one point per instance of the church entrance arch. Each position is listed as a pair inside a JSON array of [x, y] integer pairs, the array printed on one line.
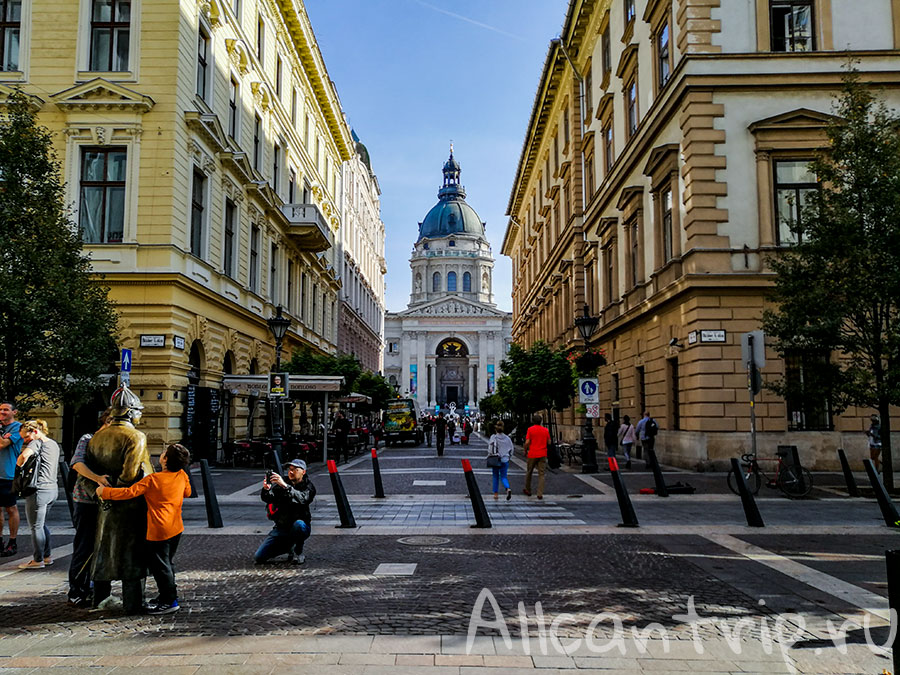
[[451, 366]]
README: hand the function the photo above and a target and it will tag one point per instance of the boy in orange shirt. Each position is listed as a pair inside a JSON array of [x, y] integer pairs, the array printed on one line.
[[165, 492]]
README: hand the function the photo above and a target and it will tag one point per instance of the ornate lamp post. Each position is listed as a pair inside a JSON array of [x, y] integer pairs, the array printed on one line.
[[586, 325], [278, 325]]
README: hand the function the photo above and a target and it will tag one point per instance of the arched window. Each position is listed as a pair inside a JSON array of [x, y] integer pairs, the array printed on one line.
[[451, 281], [436, 282], [467, 283]]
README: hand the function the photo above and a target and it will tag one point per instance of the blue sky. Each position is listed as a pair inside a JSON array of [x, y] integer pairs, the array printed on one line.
[[413, 75]]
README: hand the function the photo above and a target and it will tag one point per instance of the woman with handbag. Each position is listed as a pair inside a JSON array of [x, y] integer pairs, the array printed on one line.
[[627, 437], [500, 450], [36, 441]]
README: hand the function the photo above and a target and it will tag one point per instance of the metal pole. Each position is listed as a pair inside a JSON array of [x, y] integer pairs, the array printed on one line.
[[751, 368], [325, 430]]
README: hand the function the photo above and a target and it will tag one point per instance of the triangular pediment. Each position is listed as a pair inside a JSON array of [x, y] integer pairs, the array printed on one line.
[[209, 127], [453, 306], [6, 92], [100, 94], [799, 118]]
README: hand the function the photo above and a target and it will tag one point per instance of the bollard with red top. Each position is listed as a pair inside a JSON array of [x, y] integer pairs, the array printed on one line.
[[629, 519], [482, 519], [340, 497], [379, 488]]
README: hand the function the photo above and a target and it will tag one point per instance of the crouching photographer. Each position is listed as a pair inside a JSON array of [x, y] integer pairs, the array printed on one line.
[[287, 506]]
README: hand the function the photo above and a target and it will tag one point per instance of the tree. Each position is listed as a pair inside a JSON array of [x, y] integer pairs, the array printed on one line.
[[58, 326], [837, 290], [374, 385], [304, 361]]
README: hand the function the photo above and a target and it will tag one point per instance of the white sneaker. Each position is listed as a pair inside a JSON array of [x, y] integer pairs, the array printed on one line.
[[31, 565]]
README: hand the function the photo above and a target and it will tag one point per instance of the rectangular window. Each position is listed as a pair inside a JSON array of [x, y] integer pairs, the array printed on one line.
[[260, 40], [202, 62], [290, 286], [609, 268], [318, 153], [236, 9], [556, 153], [313, 314], [230, 226], [640, 376], [198, 212], [273, 274], [306, 133], [110, 34], [276, 167], [635, 251], [791, 25], [278, 73], [615, 388], [629, 11], [674, 395], [794, 183], [303, 296], [807, 408], [588, 93], [292, 187], [254, 259], [667, 234], [102, 195], [257, 129], [631, 105], [664, 65], [606, 53], [233, 108], [608, 149], [10, 32], [566, 128], [294, 108]]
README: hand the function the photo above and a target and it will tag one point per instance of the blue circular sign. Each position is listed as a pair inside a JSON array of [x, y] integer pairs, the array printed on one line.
[[588, 388]]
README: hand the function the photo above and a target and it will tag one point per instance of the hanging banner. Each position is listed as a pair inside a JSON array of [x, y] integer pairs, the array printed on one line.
[[413, 379], [490, 378]]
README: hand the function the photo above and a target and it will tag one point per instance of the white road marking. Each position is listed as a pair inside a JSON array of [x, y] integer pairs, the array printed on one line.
[[396, 569], [429, 483]]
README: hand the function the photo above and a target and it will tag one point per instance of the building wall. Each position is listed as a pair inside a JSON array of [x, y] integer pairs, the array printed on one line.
[[711, 135], [170, 133]]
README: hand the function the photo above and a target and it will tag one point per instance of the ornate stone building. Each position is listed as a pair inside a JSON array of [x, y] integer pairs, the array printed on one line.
[[446, 347], [666, 152], [361, 253]]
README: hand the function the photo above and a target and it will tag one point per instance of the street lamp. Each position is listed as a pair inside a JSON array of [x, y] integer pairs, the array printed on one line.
[[586, 325], [279, 325]]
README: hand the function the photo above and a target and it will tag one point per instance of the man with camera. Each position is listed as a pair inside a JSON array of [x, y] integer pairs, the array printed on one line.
[[287, 506]]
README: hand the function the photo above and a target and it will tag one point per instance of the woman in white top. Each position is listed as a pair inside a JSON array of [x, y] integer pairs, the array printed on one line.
[[500, 445], [627, 437]]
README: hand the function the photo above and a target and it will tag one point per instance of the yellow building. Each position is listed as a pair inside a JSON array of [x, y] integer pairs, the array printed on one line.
[[201, 143], [660, 211]]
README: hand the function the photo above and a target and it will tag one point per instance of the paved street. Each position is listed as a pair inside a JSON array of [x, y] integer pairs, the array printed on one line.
[[558, 569]]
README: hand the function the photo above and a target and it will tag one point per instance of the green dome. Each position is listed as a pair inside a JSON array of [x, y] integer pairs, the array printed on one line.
[[451, 215]]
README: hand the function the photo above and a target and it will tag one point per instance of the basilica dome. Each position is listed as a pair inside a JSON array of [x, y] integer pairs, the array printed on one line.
[[451, 215]]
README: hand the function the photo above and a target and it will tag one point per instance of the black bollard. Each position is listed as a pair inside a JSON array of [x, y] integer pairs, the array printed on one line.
[[629, 518], [885, 503], [379, 488], [194, 494], [653, 460], [892, 559], [754, 519], [852, 490], [67, 486], [213, 515], [340, 497], [275, 455], [482, 519]]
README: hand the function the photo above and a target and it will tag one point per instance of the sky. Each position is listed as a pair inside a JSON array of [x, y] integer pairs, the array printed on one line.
[[414, 75]]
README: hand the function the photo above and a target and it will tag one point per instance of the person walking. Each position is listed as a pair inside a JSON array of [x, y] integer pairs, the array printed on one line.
[[627, 436], [440, 428], [610, 435], [647, 429], [501, 447], [537, 440], [451, 429], [35, 440], [874, 436], [84, 516], [10, 448], [428, 426], [165, 492]]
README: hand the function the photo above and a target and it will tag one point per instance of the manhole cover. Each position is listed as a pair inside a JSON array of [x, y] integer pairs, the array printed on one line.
[[423, 541]]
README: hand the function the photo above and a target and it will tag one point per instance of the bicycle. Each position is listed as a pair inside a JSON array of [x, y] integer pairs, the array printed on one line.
[[792, 482]]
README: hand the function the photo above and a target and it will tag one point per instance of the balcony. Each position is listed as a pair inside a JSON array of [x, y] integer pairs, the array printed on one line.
[[307, 227]]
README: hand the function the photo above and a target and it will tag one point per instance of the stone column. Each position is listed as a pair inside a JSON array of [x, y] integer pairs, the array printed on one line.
[[470, 381], [482, 363], [422, 380], [432, 372], [405, 354]]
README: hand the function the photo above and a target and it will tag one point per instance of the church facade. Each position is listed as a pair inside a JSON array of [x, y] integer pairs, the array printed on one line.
[[446, 346]]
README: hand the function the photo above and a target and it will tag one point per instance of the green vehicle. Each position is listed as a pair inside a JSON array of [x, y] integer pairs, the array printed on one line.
[[401, 422]]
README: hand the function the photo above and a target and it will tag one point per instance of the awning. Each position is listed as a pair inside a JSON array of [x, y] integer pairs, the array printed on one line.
[[298, 384], [354, 397]]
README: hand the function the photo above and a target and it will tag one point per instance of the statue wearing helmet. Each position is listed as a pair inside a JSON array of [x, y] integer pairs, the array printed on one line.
[[120, 452]]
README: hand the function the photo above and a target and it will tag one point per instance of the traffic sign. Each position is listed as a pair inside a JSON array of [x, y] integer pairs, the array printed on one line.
[[592, 410], [588, 390], [758, 340], [125, 378], [126, 360]]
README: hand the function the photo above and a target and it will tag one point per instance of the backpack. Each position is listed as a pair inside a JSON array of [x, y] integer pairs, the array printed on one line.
[[26, 477], [651, 428]]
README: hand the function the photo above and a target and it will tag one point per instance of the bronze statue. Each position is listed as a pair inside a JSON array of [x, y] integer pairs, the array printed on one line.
[[120, 452]]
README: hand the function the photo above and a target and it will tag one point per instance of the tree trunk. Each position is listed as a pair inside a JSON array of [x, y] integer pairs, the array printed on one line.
[[887, 466]]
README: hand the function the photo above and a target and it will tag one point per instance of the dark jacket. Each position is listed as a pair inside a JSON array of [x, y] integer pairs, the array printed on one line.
[[611, 433], [292, 502]]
